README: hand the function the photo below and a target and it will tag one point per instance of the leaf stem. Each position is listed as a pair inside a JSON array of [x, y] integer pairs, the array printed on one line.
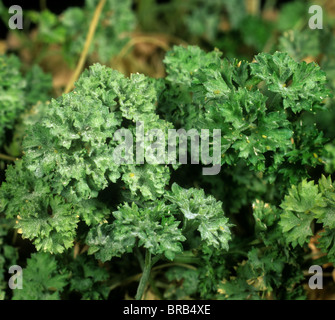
[[43, 5], [145, 276], [139, 257], [88, 42], [5, 157]]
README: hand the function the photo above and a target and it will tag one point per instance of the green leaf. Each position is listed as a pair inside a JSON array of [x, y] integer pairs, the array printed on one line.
[[203, 213], [300, 206], [152, 227], [301, 85], [326, 243], [42, 280]]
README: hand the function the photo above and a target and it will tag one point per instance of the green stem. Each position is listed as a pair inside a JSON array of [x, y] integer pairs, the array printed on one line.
[[145, 276], [5, 157], [43, 5], [139, 257], [187, 258]]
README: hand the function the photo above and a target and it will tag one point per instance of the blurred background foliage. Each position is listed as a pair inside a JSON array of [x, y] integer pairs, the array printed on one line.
[[133, 36]]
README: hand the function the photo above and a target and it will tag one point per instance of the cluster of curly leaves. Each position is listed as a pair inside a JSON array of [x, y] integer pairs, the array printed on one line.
[[67, 177], [19, 92]]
